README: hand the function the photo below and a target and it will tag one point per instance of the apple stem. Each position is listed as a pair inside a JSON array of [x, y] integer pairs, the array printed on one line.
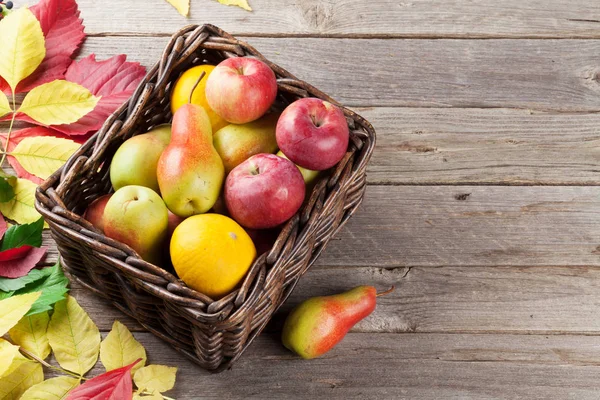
[[195, 86], [390, 290]]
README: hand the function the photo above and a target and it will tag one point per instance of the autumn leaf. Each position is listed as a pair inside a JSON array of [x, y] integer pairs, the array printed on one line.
[[42, 156], [120, 348], [3, 226], [20, 266], [23, 235], [20, 135], [8, 352], [21, 209], [54, 288], [159, 378], [7, 192], [182, 6], [73, 337], [8, 285], [112, 385], [239, 3], [137, 395], [23, 374], [22, 48], [57, 102], [13, 309], [4, 105], [30, 334], [113, 79], [51, 389]]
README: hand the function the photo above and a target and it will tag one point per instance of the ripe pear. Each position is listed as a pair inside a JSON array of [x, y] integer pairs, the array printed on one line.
[[190, 172], [135, 161], [308, 174], [236, 143], [138, 217], [315, 326]]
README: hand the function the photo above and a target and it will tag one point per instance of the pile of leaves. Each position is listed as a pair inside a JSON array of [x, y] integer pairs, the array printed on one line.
[[183, 6], [65, 101], [75, 341]]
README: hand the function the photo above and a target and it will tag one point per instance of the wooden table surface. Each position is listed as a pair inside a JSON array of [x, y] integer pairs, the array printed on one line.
[[483, 203]]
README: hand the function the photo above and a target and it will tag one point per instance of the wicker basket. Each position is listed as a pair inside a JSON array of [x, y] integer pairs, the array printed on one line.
[[211, 333]]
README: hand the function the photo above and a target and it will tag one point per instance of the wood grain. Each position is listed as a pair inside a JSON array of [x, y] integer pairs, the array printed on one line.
[[558, 75], [412, 366], [423, 18], [468, 226], [533, 300]]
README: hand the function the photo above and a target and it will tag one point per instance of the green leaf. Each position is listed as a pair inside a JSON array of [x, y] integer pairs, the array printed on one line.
[[8, 284], [7, 183], [53, 288], [22, 235], [6, 295]]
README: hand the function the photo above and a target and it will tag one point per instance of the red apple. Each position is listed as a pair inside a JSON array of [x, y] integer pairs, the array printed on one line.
[[95, 211], [174, 221], [241, 89], [264, 191], [313, 134]]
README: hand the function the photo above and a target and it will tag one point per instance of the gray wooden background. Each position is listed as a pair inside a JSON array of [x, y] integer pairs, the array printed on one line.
[[483, 204]]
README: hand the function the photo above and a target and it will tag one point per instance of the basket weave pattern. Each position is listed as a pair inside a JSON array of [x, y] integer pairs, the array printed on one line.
[[211, 333]]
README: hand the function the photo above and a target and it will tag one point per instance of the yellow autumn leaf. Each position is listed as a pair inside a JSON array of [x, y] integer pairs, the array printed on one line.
[[51, 389], [30, 334], [21, 209], [23, 46], [23, 374], [14, 308], [4, 105], [158, 378], [120, 349], [8, 352], [239, 3], [182, 6], [58, 102], [73, 336], [43, 155]]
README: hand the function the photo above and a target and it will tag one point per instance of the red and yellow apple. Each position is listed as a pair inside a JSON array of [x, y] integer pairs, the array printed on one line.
[[313, 134], [241, 89], [95, 211], [264, 191]]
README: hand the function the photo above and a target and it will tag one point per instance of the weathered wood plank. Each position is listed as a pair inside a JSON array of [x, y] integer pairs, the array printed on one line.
[[482, 146], [469, 226], [424, 18], [533, 300], [498, 146], [414, 366], [533, 74]]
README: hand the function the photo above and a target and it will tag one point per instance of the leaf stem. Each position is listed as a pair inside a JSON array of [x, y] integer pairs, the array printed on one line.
[[12, 121], [32, 356]]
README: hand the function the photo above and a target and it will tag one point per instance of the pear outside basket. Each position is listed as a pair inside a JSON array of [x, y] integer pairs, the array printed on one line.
[[211, 333]]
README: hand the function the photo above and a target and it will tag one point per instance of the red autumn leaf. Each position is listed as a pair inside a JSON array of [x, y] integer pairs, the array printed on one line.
[[18, 135], [63, 30], [14, 254], [114, 79], [19, 267], [112, 385], [3, 226]]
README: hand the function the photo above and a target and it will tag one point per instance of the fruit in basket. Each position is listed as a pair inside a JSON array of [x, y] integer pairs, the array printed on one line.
[[264, 191], [138, 217], [236, 143], [188, 82], [95, 211], [190, 171], [313, 134], [135, 161], [211, 253], [174, 221], [241, 89], [309, 175], [316, 325]]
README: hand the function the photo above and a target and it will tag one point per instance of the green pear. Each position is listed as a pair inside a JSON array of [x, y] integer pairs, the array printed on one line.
[[190, 172], [138, 217], [236, 143], [309, 175], [318, 324], [135, 161]]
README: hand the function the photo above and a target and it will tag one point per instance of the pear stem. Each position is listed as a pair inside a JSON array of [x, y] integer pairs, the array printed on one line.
[[195, 86], [390, 290]]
